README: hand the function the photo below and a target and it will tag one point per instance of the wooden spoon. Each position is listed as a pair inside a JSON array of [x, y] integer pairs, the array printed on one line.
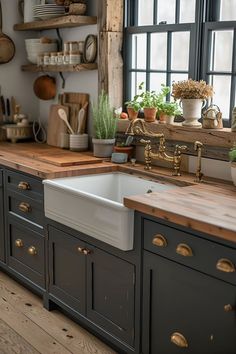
[[7, 46], [62, 114]]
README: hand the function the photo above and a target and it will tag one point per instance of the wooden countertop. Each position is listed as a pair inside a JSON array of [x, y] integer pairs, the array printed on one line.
[[208, 207]]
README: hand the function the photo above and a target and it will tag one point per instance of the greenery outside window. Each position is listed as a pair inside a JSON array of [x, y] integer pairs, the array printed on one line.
[[171, 40]]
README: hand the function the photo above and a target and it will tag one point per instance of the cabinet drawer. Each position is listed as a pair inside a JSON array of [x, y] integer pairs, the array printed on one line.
[[26, 253], [25, 185], [191, 250], [26, 208]]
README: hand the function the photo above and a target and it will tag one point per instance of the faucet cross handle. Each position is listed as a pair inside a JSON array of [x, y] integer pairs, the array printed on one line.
[[179, 149], [147, 153], [198, 147]]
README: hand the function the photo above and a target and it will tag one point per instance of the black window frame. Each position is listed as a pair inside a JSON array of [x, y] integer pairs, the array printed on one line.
[[207, 14]]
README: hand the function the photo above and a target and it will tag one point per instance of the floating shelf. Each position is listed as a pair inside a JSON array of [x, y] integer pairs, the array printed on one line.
[[59, 22], [59, 68]]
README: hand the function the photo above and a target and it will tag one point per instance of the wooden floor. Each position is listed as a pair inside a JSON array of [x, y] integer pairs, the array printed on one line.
[[27, 328]]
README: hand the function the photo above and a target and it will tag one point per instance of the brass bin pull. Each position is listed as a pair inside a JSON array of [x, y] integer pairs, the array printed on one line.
[[24, 207], [184, 250], [229, 308], [225, 265], [86, 251], [179, 340], [32, 251], [80, 249], [159, 241], [19, 243], [23, 186]]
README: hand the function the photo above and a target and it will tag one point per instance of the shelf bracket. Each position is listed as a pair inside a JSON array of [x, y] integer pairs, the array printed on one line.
[[63, 79], [60, 41]]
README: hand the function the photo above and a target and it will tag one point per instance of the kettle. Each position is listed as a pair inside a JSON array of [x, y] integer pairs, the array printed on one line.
[[212, 118]]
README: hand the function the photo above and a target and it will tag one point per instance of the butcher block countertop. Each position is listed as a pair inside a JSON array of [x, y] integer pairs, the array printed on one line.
[[208, 207]]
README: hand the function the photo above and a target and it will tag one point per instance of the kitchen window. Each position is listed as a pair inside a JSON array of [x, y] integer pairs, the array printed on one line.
[[172, 40]]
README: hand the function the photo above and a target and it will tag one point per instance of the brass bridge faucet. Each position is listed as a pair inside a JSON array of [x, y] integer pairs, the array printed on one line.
[[138, 127], [198, 147]]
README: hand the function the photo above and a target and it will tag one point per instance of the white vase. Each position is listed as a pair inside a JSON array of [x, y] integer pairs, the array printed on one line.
[[233, 172], [192, 111]]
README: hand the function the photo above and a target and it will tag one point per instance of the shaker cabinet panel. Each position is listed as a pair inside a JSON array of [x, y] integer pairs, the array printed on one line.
[[2, 252], [67, 269], [110, 294], [185, 310]]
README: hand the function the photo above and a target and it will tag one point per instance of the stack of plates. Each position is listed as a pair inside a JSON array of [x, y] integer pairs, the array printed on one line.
[[45, 12]]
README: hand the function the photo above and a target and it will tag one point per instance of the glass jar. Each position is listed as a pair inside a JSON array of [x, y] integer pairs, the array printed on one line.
[[60, 58], [46, 58], [75, 58], [53, 58]]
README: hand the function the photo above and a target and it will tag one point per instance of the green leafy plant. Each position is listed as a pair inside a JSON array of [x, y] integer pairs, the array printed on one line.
[[104, 121], [232, 153], [134, 103], [170, 108], [153, 99]]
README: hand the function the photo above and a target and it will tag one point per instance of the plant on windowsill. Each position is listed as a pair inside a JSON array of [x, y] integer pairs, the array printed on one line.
[[104, 126], [193, 95], [167, 112], [232, 158], [151, 100], [133, 107]]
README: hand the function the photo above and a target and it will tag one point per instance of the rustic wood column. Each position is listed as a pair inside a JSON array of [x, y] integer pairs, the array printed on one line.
[[110, 61]]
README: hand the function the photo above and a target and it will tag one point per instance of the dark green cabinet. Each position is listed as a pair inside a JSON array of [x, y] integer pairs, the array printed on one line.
[[2, 248], [94, 283]]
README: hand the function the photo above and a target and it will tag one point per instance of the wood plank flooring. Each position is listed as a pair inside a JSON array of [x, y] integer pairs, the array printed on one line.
[[27, 328]]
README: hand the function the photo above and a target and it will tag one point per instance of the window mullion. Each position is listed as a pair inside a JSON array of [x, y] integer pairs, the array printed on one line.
[[155, 17], [148, 63], [168, 66], [177, 11]]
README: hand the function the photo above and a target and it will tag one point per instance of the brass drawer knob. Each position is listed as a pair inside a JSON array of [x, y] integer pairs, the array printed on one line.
[[184, 250], [86, 251], [159, 241], [225, 265], [179, 340], [24, 207], [23, 186], [32, 251], [19, 243], [80, 249], [228, 308]]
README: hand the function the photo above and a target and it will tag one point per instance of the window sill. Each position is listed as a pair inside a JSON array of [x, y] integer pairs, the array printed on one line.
[[224, 138]]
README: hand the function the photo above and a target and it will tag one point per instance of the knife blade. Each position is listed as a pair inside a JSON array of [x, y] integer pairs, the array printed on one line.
[[3, 107], [8, 110]]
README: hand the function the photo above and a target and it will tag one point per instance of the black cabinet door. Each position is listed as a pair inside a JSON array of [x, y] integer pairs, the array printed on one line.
[[180, 301], [110, 294], [67, 269], [2, 253]]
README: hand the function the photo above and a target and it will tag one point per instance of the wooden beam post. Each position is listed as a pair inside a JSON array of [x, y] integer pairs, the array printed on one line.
[[110, 61]]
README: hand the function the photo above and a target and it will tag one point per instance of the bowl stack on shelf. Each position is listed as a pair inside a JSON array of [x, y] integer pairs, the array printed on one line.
[[35, 47]]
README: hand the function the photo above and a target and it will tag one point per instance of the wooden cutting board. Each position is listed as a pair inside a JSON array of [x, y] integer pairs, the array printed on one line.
[[55, 125], [68, 159]]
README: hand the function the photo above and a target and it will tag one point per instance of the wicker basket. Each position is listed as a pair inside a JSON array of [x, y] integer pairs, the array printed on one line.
[[17, 132]]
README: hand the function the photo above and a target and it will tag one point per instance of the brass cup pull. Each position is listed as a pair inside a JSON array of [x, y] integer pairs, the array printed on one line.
[[159, 241], [23, 186], [179, 340], [184, 250], [24, 207], [229, 308], [86, 251], [32, 251], [225, 265], [19, 243], [80, 249]]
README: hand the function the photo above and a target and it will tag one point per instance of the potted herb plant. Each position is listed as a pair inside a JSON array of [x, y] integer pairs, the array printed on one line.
[[193, 95], [133, 107], [232, 158], [168, 111], [104, 126]]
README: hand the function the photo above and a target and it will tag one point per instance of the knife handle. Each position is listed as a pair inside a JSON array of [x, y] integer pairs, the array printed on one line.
[[8, 109]]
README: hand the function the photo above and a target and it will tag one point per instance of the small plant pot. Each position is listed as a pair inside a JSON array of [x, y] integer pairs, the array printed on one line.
[[233, 172], [125, 149], [103, 147], [164, 118], [149, 114], [132, 113]]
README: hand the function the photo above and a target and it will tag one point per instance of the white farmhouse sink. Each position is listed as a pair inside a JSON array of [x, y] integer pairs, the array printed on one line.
[[93, 204]]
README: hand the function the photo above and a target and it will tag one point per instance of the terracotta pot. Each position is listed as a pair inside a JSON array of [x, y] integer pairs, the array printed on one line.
[[149, 114], [132, 113], [125, 149]]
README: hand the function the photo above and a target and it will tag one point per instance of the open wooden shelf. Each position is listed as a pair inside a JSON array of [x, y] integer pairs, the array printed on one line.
[[58, 22], [59, 68]]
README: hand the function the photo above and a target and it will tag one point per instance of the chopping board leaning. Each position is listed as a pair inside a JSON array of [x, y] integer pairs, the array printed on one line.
[[55, 125]]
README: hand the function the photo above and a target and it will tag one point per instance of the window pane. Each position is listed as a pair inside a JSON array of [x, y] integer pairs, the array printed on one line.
[[136, 79], [145, 12], [221, 85], [222, 51], [166, 11], [156, 79], [187, 11], [180, 51], [158, 51], [228, 10], [139, 48]]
